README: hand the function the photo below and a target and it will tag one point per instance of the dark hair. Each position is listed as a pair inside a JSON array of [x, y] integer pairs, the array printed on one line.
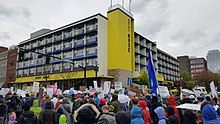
[[205, 102], [48, 105], [135, 101], [26, 107], [207, 98]]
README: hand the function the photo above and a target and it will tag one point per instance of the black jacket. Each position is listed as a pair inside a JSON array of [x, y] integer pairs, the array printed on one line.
[[47, 116], [189, 117], [27, 117]]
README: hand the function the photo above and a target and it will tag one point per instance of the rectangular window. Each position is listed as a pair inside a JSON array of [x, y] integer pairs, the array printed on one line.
[[66, 65], [34, 44], [91, 38], [92, 26], [56, 67], [57, 46], [41, 42], [67, 44], [25, 63], [25, 71], [91, 62], [79, 30], [58, 37], [79, 52], [79, 41], [39, 69], [48, 49], [49, 40], [68, 34], [67, 54], [32, 62], [20, 72], [40, 61], [79, 62], [91, 50], [32, 70]]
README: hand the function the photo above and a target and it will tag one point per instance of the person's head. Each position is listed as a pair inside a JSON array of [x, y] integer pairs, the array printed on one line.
[[170, 110], [105, 108], [205, 102], [215, 101], [135, 101], [102, 101], [60, 97], [27, 95], [207, 98], [47, 97], [65, 101], [95, 94], [32, 95], [9, 95], [48, 105], [26, 107], [54, 95], [91, 101]]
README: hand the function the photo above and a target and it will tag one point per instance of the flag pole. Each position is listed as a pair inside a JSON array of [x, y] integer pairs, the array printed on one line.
[[111, 3]]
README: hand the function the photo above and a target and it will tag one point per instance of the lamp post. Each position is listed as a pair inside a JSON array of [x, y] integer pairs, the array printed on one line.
[[84, 70], [96, 69]]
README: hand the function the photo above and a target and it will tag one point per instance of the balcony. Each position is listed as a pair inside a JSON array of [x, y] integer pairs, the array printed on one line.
[[67, 35], [79, 32], [91, 40], [57, 38], [91, 28]]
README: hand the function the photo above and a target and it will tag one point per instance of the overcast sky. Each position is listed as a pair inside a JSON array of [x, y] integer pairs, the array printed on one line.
[[180, 27]]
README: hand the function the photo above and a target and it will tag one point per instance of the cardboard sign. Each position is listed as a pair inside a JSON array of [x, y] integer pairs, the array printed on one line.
[[136, 91], [107, 86], [95, 85], [163, 91], [213, 90], [118, 86], [36, 87]]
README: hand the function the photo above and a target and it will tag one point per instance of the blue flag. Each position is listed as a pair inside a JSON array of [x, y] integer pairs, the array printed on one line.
[[151, 74]]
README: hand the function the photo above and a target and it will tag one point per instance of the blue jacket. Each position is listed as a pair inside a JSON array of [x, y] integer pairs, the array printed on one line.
[[210, 115], [136, 117], [161, 115]]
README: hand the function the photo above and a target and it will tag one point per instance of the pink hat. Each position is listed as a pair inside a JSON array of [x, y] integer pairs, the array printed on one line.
[[102, 101]]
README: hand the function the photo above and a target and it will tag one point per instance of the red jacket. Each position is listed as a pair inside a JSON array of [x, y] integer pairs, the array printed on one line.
[[145, 111], [172, 102]]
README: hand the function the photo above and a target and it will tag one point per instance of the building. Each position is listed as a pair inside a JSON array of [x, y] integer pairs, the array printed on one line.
[[3, 64], [197, 65], [70, 55], [184, 63], [11, 65], [213, 61], [168, 66]]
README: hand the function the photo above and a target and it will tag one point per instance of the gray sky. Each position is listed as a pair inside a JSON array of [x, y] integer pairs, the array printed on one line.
[[180, 27]]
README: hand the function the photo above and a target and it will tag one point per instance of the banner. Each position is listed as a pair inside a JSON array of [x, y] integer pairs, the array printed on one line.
[[118, 86], [213, 90], [163, 91], [95, 85], [35, 87], [107, 86]]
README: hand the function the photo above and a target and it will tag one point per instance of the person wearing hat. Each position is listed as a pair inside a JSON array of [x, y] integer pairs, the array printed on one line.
[[27, 117]]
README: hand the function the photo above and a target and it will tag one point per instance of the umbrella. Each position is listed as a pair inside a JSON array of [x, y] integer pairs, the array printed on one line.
[[188, 91], [70, 92], [190, 106]]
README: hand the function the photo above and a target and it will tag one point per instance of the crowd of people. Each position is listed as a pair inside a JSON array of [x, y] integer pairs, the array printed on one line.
[[85, 108]]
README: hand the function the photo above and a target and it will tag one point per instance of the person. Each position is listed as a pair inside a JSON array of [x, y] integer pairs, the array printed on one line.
[[86, 114], [96, 98], [36, 108], [54, 99], [27, 117], [172, 118], [125, 116], [108, 116], [160, 115], [172, 102], [209, 114], [115, 103], [136, 113], [65, 109], [47, 98], [154, 105], [30, 100], [48, 115], [145, 111], [3, 111], [189, 117], [60, 99]]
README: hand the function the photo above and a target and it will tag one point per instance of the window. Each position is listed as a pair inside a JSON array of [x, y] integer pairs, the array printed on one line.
[[57, 46], [34, 44], [41, 42], [32, 70], [79, 62], [91, 38], [20, 72], [91, 62], [66, 65], [68, 33], [41, 50], [91, 26], [56, 67], [58, 37], [32, 62], [40, 61], [49, 39], [48, 49], [67, 54], [91, 50], [79, 52], [67, 44], [25, 71], [79, 30], [39, 69], [79, 41], [25, 63]]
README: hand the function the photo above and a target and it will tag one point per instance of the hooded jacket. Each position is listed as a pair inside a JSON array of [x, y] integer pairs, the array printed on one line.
[[172, 102], [145, 111], [125, 116], [136, 117], [27, 117], [107, 118], [161, 115], [210, 115], [36, 108], [115, 103], [172, 118]]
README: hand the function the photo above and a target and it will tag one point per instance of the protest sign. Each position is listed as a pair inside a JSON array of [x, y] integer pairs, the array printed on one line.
[[107, 86], [213, 90], [35, 87], [163, 91], [50, 91], [95, 85], [136, 91], [118, 86], [29, 89]]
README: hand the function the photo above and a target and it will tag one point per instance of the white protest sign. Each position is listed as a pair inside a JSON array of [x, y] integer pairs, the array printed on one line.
[[4, 91], [95, 85], [163, 91], [213, 90], [112, 91], [107, 86], [36, 87], [21, 92], [118, 86], [50, 91], [100, 93], [131, 93]]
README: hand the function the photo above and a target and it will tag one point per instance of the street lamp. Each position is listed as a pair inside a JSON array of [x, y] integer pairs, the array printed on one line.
[[96, 69], [84, 70]]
